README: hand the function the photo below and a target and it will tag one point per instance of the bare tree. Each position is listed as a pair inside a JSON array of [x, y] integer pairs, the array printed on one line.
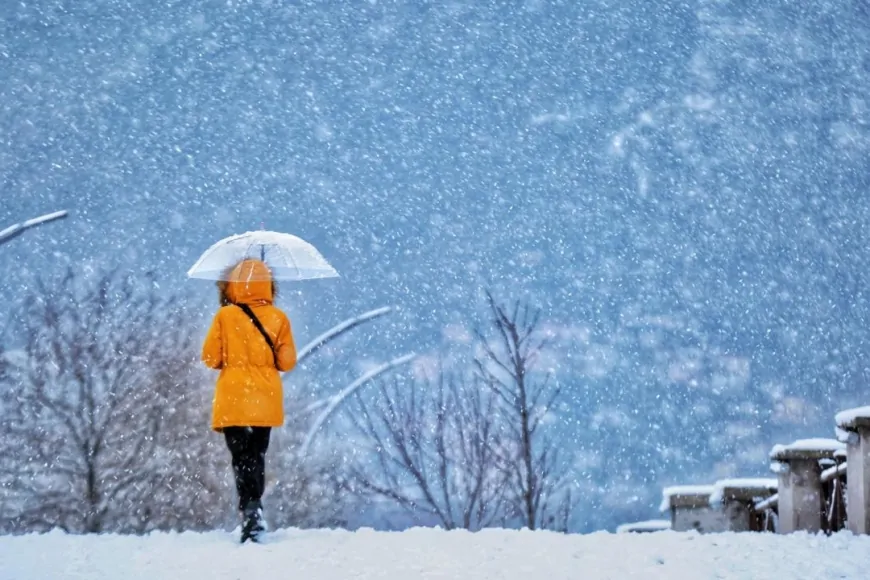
[[470, 452], [431, 450], [192, 486], [507, 366], [96, 425], [104, 421]]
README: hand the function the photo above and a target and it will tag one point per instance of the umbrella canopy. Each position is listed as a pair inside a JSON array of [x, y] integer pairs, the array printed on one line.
[[287, 256]]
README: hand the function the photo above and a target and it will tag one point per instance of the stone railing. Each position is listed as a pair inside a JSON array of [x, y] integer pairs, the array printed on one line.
[[727, 505], [689, 509], [821, 485], [801, 498]]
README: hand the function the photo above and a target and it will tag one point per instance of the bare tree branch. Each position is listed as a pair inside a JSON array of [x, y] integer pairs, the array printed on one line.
[[428, 451], [87, 440], [506, 367]]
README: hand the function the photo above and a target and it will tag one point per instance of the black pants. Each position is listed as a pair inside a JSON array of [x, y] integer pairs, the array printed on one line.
[[248, 447]]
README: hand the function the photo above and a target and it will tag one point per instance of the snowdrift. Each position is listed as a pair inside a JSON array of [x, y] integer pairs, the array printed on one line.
[[428, 553]]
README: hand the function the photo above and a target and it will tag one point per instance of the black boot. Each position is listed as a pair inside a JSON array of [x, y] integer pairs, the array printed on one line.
[[252, 524]]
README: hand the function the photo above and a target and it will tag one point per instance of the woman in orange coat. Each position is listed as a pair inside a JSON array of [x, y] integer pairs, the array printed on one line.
[[250, 341]]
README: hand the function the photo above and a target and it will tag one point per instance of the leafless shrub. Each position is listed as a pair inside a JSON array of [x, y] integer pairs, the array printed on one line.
[[537, 481], [431, 449], [469, 451], [94, 414]]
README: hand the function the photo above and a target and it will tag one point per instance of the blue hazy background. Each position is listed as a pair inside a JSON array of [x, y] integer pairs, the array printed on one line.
[[680, 186]]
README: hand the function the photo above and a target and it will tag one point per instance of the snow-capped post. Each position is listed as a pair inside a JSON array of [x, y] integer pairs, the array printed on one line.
[[853, 427], [799, 469], [737, 499], [689, 507], [17, 229]]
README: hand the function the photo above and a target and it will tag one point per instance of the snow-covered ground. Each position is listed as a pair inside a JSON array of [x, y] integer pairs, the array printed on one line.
[[427, 553]]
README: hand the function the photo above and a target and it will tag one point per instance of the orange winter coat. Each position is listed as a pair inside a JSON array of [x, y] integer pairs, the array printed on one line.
[[249, 389]]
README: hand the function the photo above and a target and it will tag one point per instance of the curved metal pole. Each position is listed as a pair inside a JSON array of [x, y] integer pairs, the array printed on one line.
[[337, 330], [334, 402], [16, 230]]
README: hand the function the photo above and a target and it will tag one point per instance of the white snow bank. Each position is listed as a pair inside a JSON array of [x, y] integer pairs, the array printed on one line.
[[669, 492], [849, 416], [808, 445], [644, 526], [427, 553]]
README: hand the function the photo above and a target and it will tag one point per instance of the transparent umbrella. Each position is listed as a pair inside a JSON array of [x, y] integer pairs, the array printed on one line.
[[287, 256]]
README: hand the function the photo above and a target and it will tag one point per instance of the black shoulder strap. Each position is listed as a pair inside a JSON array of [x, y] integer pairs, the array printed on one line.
[[262, 330]]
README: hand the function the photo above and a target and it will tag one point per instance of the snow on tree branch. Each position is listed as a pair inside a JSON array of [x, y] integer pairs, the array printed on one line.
[[339, 329], [19, 228]]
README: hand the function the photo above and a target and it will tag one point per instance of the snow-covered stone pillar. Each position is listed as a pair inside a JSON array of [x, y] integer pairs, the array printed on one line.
[[689, 507], [737, 498], [853, 426], [800, 482]]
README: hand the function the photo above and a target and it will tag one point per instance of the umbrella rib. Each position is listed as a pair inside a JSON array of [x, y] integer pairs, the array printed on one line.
[[295, 265]]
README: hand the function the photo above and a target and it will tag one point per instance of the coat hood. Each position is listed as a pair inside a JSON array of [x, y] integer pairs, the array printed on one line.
[[250, 282]]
